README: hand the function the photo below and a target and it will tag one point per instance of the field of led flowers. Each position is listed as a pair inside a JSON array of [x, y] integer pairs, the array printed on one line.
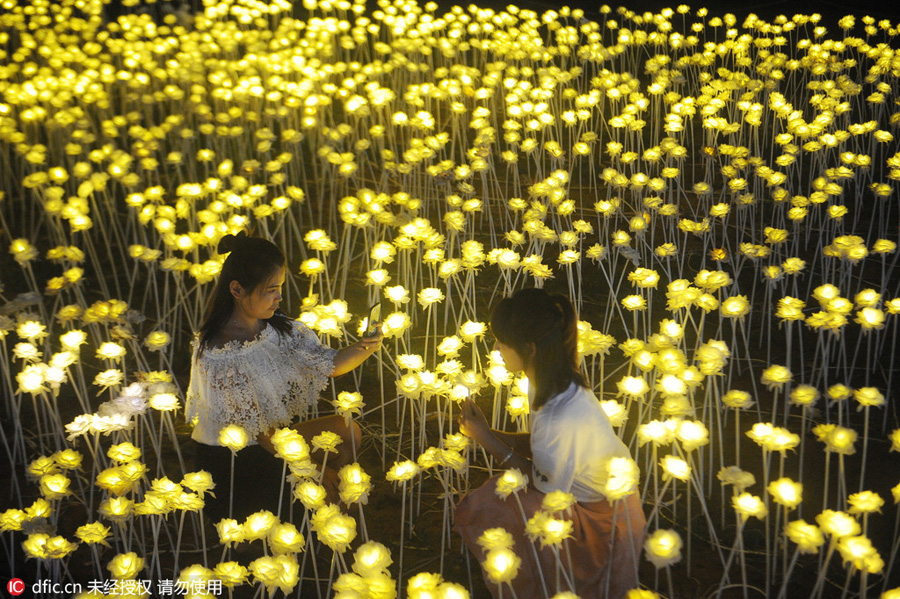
[[718, 198]]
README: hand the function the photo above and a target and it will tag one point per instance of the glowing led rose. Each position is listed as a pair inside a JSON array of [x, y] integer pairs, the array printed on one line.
[[125, 566], [837, 524], [55, 486], [634, 303], [511, 481], [675, 467], [284, 537], [372, 559], [657, 432], [786, 492], [290, 446], [868, 397], [808, 537], [738, 400], [231, 574], [469, 331], [230, 531], [395, 325], [501, 565], [837, 439], [618, 477], [94, 532], [258, 525], [775, 377], [747, 505], [735, 307], [549, 530], [200, 482], [895, 439], [858, 552], [804, 396], [865, 502], [403, 471], [336, 530], [355, 484], [632, 387], [663, 548], [234, 437], [116, 509]]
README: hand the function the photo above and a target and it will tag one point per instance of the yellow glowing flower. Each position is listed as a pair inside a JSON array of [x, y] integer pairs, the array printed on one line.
[[501, 565], [807, 537], [355, 484], [837, 524], [55, 486], [333, 528], [258, 525], [230, 531], [469, 331], [804, 395], [747, 505], [735, 307], [116, 509], [511, 481], [200, 482], [619, 477], [865, 502], [125, 566], [372, 559], [285, 538], [860, 554], [786, 492], [895, 439], [692, 434], [278, 572], [634, 303], [868, 397], [550, 530], [837, 439], [95, 532], [663, 548], [231, 574], [234, 437], [775, 377], [675, 467]]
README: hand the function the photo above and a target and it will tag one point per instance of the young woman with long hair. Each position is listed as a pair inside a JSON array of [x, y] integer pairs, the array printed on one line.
[[254, 366], [570, 440]]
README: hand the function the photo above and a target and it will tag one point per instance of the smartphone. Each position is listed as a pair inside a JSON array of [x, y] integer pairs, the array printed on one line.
[[373, 319]]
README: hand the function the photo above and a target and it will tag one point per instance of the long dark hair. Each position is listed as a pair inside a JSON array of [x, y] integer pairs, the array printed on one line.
[[250, 262], [533, 316]]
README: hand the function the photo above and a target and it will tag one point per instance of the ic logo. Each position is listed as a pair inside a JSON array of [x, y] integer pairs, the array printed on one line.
[[15, 587]]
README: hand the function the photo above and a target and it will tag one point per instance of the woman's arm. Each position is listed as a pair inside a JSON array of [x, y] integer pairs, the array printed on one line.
[[510, 450], [353, 355]]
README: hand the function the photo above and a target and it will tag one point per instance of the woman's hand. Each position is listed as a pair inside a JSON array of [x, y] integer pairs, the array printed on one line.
[[472, 422], [372, 342], [351, 356]]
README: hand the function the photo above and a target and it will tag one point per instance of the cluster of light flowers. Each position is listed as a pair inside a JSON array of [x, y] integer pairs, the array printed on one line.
[[363, 145]]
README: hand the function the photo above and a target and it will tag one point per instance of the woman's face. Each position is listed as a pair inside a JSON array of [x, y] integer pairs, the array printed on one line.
[[262, 302], [511, 358]]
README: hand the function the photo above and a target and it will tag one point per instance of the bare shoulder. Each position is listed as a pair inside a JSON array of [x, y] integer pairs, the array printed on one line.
[[225, 336]]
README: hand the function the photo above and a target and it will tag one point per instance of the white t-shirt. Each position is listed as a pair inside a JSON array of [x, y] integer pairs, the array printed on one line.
[[260, 384], [571, 437]]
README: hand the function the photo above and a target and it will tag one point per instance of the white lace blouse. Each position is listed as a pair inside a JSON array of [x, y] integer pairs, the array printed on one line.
[[259, 384]]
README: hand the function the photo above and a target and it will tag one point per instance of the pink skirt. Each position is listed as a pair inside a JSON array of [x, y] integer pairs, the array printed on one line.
[[602, 553]]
